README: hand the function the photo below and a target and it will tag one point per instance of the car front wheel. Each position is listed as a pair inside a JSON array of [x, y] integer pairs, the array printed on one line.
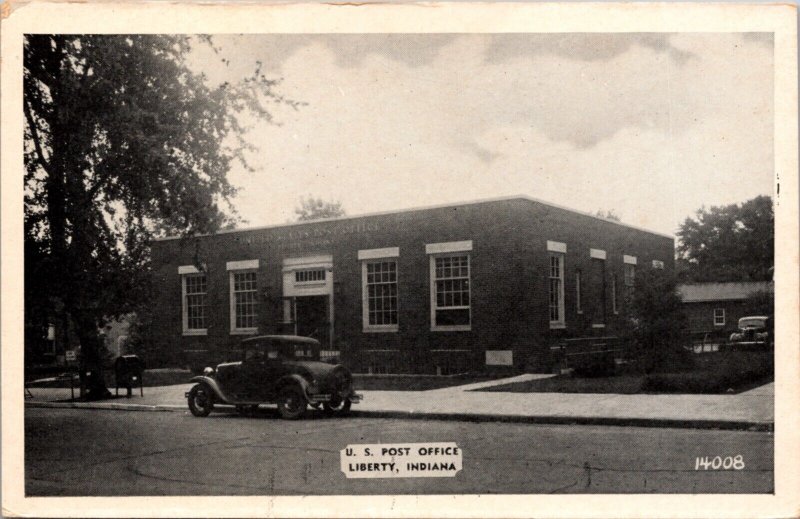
[[201, 400], [292, 403]]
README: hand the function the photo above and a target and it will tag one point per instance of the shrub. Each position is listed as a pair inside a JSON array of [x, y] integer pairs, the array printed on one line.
[[658, 326]]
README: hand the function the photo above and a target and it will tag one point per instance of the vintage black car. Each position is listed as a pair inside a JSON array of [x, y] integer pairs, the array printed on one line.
[[275, 369], [754, 331]]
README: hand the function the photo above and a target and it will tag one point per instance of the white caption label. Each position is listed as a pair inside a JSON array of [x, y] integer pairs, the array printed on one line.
[[401, 460]]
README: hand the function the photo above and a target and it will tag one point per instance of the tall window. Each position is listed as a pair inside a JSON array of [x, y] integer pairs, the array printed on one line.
[[719, 317], [598, 291], [379, 286], [614, 307], [629, 279], [244, 290], [556, 290], [451, 291], [578, 291], [194, 304]]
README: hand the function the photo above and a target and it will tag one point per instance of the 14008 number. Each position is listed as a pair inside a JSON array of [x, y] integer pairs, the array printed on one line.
[[719, 463]]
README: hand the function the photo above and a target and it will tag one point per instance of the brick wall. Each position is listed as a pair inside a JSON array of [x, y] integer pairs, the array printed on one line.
[[509, 281]]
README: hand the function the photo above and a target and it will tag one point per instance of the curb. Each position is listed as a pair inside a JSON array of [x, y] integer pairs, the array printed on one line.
[[467, 417]]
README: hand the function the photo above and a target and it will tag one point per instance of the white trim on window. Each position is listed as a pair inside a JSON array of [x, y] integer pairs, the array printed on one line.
[[629, 260], [450, 246], [719, 317], [307, 262], [597, 254], [188, 273], [242, 265], [251, 291], [388, 252], [433, 287], [188, 269], [556, 246], [365, 309]]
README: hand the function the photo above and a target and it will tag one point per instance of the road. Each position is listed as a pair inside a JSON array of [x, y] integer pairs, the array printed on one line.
[[78, 452]]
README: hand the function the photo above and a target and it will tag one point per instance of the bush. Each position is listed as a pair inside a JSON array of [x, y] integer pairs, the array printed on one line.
[[658, 325], [600, 365]]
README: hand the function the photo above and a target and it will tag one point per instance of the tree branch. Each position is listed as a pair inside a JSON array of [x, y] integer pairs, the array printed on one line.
[[35, 136]]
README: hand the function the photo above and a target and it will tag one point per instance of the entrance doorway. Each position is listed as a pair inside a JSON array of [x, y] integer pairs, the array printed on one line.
[[308, 297], [311, 317]]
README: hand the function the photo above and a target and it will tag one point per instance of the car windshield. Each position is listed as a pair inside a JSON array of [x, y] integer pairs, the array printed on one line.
[[751, 322]]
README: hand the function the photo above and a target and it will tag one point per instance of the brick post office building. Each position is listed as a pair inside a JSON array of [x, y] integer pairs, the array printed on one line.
[[433, 290]]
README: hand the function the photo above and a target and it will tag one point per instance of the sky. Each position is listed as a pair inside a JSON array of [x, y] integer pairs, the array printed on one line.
[[652, 126]]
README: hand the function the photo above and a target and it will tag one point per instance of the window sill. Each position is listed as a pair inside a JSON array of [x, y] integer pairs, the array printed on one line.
[[456, 328], [244, 331], [375, 329], [598, 326], [558, 326], [190, 333]]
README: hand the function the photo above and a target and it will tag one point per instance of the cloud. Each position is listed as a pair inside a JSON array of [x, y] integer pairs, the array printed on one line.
[[629, 127], [580, 46]]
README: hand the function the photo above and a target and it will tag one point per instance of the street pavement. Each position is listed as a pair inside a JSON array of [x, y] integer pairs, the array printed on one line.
[[90, 452], [751, 409]]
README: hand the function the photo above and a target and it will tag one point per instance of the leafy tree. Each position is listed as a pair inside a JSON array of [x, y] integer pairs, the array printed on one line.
[[761, 302], [659, 328], [123, 142], [311, 208], [608, 215], [729, 243]]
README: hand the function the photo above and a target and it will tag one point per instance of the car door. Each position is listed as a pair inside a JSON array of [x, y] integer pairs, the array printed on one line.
[[252, 375]]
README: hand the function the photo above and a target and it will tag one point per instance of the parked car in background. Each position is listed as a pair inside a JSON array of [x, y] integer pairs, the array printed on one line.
[[754, 331], [275, 369]]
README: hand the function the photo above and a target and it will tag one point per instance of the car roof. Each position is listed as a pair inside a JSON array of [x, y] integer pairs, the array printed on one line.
[[294, 339]]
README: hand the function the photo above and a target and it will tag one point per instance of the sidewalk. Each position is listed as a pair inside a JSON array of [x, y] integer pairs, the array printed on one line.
[[749, 410]]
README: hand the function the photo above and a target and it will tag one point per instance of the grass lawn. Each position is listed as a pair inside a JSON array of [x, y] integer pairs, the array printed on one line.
[[413, 382], [713, 373], [620, 384], [628, 385]]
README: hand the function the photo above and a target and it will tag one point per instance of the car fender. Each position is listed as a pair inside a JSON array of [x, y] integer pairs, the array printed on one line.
[[294, 379], [210, 382]]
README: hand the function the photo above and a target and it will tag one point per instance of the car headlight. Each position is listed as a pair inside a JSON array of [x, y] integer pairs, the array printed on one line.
[[208, 372]]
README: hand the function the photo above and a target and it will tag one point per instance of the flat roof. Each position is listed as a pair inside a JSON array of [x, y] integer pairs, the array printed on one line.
[[425, 208]]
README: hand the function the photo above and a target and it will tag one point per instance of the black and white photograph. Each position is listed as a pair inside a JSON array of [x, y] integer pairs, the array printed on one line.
[[354, 262]]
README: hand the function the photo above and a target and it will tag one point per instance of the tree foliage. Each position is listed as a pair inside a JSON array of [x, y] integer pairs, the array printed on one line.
[[311, 208], [658, 324], [123, 142], [610, 214], [729, 243]]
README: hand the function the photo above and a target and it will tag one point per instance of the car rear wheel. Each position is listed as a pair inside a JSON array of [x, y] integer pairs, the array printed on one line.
[[340, 409], [201, 400], [292, 403]]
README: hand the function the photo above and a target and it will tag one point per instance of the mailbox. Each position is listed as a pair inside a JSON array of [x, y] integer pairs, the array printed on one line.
[[128, 370]]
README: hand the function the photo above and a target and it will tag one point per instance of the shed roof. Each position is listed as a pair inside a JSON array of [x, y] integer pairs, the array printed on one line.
[[725, 291]]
